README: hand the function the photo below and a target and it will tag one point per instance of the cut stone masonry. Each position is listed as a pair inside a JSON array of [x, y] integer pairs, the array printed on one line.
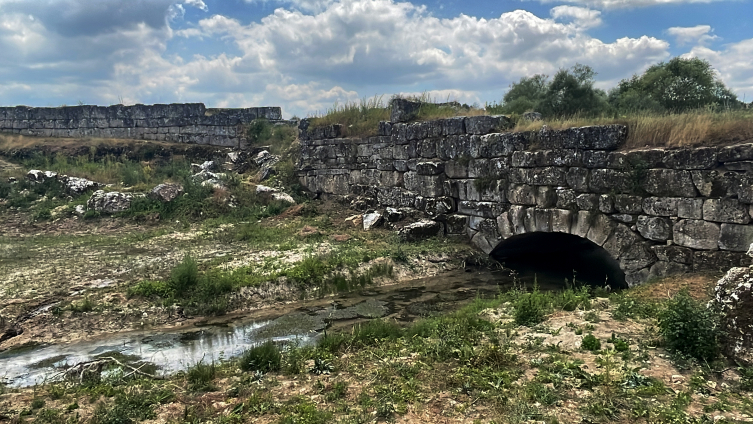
[[656, 211], [181, 123]]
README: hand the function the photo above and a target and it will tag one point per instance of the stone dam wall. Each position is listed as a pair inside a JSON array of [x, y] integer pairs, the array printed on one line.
[[180, 123], [656, 211]]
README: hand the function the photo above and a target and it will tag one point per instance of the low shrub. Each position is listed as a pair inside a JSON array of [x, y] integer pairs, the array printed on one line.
[[590, 342], [531, 308], [689, 328], [200, 377], [265, 357]]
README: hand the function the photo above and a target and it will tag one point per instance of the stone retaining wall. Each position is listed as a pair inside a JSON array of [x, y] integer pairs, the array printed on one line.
[[656, 211], [181, 123]]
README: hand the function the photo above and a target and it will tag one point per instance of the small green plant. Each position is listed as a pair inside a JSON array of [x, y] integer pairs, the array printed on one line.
[[590, 342], [185, 275], [37, 403], [200, 377], [531, 308], [689, 328], [321, 366], [86, 305], [620, 345], [265, 357], [337, 391]]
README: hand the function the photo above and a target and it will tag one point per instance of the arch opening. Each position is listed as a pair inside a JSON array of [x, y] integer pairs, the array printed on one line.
[[558, 257]]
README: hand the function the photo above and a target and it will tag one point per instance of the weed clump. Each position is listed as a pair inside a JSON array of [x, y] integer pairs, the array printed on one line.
[[590, 342], [200, 377], [265, 357], [689, 328], [531, 308]]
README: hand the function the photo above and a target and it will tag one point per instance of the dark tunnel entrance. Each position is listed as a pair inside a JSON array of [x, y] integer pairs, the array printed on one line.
[[556, 257]]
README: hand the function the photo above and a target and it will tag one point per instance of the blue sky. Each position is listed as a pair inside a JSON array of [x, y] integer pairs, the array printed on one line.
[[306, 55]]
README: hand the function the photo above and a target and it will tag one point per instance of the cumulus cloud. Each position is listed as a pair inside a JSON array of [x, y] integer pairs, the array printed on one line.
[[629, 4], [699, 34], [734, 63], [295, 58], [583, 17]]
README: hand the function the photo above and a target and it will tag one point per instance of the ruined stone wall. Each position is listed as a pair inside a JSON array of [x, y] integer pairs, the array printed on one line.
[[181, 123], [656, 211]]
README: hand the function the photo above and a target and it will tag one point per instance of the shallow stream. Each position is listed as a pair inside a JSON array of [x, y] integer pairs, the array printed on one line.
[[226, 337]]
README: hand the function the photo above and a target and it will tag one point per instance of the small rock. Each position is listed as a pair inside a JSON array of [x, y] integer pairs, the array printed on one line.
[[283, 197], [308, 230], [38, 176], [166, 192], [532, 116], [394, 215], [340, 237], [12, 180], [420, 230], [79, 210], [207, 166], [262, 189], [76, 186], [109, 202], [371, 220], [356, 220]]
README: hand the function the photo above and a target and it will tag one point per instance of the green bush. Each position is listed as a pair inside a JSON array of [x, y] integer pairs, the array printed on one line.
[[265, 357], [531, 308], [689, 328], [185, 275], [148, 289], [590, 342]]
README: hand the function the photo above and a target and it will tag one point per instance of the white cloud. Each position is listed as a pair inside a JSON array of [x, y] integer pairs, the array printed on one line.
[[304, 61], [199, 4], [628, 4], [582, 17], [698, 34], [303, 5], [734, 63]]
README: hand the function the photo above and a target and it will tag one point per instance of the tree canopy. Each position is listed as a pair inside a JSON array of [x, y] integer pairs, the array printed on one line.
[[674, 86]]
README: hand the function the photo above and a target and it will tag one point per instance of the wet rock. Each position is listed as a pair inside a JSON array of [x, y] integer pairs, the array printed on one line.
[[166, 192], [109, 202], [372, 220], [420, 230]]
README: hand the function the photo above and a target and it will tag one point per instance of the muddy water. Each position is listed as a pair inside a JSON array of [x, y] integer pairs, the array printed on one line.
[[226, 337]]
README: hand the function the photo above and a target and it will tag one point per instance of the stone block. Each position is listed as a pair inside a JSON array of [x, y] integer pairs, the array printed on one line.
[[625, 203], [673, 253], [669, 182], [696, 234], [637, 277], [716, 183], [517, 216], [384, 128], [606, 203], [610, 181], [456, 224], [581, 224], [481, 209], [552, 176], [566, 198], [479, 168], [744, 188], [396, 196], [454, 169], [645, 159], [695, 158], [637, 256], [521, 194], [595, 159], [424, 185], [546, 197], [690, 208], [561, 220], [625, 218], [660, 206], [543, 219], [736, 238], [426, 148], [577, 179], [416, 131], [744, 166], [621, 240], [719, 260], [725, 210], [587, 201], [485, 124], [529, 220], [663, 269], [495, 192], [601, 228], [523, 159], [436, 206], [430, 168], [504, 226], [735, 153], [487, 237], [654, 228], [453, 126], [404, 110]]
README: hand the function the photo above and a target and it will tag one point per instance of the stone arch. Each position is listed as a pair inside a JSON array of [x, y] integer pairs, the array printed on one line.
[[625, 246], [561, 256]]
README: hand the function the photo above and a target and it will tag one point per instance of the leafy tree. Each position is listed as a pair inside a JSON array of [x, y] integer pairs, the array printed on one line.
[[526, 94], [678, 85], [570, 92]]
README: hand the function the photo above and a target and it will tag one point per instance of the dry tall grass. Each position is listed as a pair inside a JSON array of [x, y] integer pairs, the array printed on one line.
[[698, 128]]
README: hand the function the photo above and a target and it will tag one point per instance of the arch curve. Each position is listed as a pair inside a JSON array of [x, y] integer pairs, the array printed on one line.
[[561, 256]]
